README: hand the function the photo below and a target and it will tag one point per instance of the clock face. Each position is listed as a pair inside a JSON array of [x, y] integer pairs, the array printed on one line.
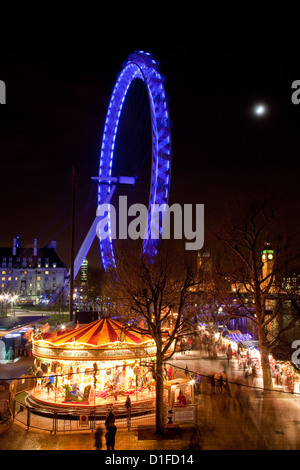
[[270, 256], [264, 257]]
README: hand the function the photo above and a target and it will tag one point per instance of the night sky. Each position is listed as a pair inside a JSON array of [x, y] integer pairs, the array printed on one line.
[[57, 101]]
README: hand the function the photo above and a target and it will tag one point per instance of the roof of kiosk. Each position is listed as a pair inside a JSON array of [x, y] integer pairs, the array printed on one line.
[[99, 333]]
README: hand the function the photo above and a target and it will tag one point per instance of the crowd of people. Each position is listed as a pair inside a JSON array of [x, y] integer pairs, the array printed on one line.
[[213, 382]]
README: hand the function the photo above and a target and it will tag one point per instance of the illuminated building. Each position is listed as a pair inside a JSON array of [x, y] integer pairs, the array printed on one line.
[[31, 272]]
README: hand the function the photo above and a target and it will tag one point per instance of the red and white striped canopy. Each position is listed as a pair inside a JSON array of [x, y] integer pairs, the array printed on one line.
[[101, 332]]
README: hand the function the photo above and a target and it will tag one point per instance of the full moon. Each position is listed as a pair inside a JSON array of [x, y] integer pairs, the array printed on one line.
[[259, 109]]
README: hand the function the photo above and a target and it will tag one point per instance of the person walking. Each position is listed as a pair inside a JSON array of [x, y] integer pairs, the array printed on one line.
[[98, 438], [111, 436], [218, 382], [128, 403], [225, 385], [211, 382], [128, 408], [198, 383], [110, 419]]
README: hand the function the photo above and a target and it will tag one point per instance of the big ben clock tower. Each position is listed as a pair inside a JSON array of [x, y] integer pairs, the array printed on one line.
[[267, 257]]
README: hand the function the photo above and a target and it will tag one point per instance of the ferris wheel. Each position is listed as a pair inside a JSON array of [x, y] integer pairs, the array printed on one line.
[[139, 66]]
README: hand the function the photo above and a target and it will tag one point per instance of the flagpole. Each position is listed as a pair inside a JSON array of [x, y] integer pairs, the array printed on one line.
[[71, 300]]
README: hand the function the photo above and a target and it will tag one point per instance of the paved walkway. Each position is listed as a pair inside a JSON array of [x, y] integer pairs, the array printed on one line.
[[245, 421]]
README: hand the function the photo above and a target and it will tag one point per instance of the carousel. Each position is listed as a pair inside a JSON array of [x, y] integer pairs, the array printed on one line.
[[95, 365]]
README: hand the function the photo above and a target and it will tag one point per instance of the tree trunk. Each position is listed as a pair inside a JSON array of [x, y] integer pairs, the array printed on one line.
[[265, 363], [160, 422], [214, 346]]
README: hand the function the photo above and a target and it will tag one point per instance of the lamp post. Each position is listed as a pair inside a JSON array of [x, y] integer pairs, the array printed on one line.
[[5, 298], [13, 300], [136, 370], [1, 300]]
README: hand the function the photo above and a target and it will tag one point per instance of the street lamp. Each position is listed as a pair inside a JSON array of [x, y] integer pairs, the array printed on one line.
[[9, 298], [5, 299], [13, 300], [2, 301]]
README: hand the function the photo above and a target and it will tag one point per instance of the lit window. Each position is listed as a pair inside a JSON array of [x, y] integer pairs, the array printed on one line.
[[3, 278], [46, 272]]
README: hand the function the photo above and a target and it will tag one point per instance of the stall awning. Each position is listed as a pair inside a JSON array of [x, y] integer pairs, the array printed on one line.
[[101, 332], [250, 344], [13, 324], [239, 337]]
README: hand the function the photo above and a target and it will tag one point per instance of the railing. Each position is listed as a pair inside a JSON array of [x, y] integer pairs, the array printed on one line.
[[68, 421], [55, 422]]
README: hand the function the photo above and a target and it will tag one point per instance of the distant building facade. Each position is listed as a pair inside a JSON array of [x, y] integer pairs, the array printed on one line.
[[31, 272], [204, 268], [291, 283]]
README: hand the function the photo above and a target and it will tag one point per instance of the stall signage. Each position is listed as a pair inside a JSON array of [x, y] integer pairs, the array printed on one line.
[[88, 353], [60, 353], [74, 353], [83, 420], [185, 415]]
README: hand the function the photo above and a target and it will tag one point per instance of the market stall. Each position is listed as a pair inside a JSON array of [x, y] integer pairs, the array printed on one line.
[[285, 375], [94, 365], [178, 388], [179, 398], [244, 349]]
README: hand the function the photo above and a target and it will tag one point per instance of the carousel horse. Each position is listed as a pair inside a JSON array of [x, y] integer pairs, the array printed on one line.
[[69, 397], [49, 387], [116, 393], [50, 384]]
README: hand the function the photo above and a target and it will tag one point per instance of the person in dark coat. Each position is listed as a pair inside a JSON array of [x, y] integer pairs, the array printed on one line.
[[110, 419], [98, 438], [110, 437]]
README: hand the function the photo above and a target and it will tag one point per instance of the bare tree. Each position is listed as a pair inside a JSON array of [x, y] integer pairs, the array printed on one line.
[[215, 307], [245, 236], [160, 293]]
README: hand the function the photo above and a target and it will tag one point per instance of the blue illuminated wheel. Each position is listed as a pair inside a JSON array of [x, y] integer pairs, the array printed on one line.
[[139, 66]]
